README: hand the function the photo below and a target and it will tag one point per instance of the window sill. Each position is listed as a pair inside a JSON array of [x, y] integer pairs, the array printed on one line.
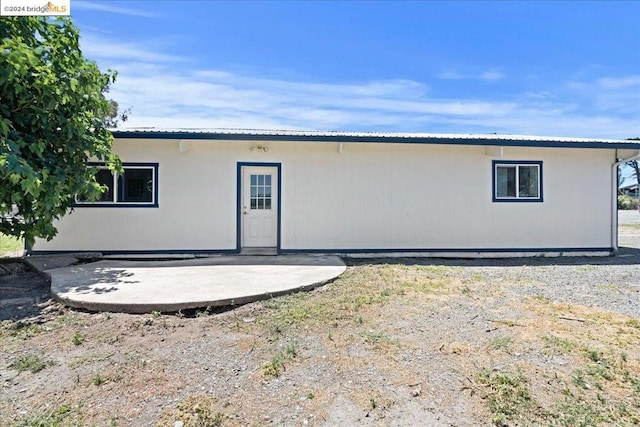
[[495, 200], [115, 205]]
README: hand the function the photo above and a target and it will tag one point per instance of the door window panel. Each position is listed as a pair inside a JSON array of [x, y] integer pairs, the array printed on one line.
[[260, 192]]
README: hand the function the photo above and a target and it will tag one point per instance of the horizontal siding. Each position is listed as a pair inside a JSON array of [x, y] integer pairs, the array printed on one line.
[[370, 196]]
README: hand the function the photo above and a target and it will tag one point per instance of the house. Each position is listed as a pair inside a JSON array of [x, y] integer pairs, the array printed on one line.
[[630, 190], [231, 191]]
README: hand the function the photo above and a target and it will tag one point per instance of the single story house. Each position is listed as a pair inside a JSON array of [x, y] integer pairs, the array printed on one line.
[[406, 194]]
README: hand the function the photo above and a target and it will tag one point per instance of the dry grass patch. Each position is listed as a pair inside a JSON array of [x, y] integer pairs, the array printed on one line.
[[629, 229], [507, 394], [349, 298], [597, 382], [10, 246], [33, 363], [197, 410], [59, 415]]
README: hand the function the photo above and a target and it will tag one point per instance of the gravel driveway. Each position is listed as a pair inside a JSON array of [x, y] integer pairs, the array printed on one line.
[[628, 217]]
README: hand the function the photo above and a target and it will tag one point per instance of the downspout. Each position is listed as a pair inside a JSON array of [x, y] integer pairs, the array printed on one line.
[[614, 200]]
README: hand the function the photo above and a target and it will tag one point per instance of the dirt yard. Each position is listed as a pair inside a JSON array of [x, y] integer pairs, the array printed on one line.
[[390, 342]]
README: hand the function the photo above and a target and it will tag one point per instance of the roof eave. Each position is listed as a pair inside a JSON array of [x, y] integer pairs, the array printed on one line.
[[339, 138]]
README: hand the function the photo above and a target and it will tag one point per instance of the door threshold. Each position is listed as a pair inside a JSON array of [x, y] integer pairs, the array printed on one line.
[[259, 251]]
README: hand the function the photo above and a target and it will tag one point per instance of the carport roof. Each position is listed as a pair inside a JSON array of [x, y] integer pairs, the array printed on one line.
[[373, 137]]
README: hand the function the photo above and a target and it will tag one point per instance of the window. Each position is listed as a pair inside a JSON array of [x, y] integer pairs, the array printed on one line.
[[261, 192], [517, 181], [136, 186]]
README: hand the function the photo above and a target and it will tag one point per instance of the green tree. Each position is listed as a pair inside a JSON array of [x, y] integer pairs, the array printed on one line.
[[633, 164], [621, 180], [113, 119], [53, 119]]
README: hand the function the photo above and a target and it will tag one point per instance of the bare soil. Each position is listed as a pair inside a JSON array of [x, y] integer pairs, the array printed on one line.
[[390, 342], [21, 287]]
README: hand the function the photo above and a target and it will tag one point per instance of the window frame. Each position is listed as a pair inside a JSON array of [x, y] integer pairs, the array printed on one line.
[[116, 182], [516, 163]]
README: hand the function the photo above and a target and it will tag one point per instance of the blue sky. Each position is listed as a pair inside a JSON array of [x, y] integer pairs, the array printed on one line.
[[540, 67]]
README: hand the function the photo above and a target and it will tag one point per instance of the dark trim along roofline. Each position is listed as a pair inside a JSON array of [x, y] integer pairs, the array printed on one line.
[[337, 137]]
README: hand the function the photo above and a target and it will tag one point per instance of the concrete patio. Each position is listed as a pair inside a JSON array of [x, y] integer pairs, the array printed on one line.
[[133, 286]]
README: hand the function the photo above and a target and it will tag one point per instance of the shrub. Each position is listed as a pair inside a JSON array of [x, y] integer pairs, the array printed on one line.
[[627, 202]]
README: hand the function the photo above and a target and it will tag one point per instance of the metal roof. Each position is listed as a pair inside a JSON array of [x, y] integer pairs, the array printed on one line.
[[373, 137]]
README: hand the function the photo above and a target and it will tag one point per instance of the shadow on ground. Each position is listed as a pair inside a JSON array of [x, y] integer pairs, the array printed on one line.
[[626, 256], [22, 290], [95, 277]]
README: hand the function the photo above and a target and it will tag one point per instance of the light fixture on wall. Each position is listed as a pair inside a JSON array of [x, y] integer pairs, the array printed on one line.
[[260, 148]]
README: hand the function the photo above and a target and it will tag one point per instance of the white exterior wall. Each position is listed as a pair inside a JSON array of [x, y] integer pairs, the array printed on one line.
[[370, 196]]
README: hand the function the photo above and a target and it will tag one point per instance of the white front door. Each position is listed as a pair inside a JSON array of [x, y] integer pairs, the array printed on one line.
[[259, 207]]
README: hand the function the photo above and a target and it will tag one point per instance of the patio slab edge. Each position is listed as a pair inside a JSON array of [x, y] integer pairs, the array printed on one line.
[[146, 308], [137, 287]]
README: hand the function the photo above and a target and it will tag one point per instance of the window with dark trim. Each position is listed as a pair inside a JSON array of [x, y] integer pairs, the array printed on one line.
[[517, 181], [136, 186]]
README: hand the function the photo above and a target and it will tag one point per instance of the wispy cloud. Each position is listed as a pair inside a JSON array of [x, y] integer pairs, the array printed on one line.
[[610, 94], [540, 94], [102, 7], [451, 75], [619, 82], [225, 99], [490, 75], [95, 48], [162, 94]]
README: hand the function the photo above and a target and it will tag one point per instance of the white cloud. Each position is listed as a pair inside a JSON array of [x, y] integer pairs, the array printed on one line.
[[490, 75], [224, 99], [612, 95], [96, 48], [541, 122], [229, 100], [543, 94], [619, 83], [162, 94], [451, 75]]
